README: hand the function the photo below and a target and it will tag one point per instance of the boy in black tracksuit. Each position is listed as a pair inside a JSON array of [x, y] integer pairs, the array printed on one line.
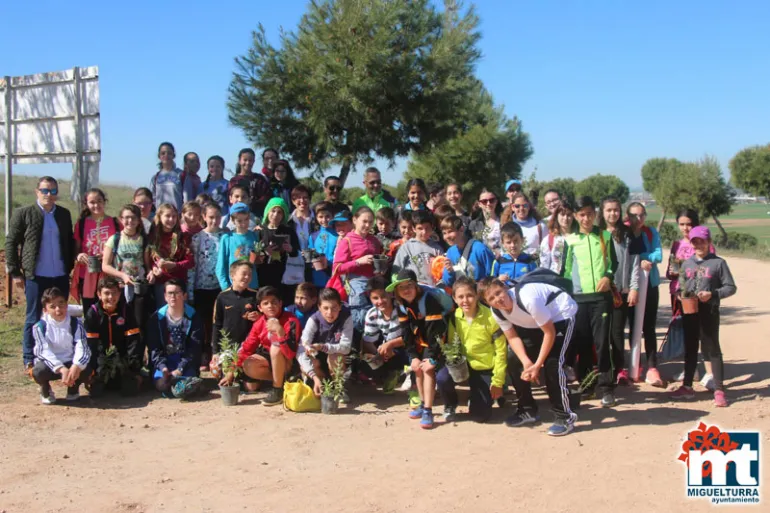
[[235, 309], [111, 323]]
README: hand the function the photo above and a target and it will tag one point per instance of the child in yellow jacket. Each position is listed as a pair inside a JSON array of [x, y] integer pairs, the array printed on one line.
[[484, 347]]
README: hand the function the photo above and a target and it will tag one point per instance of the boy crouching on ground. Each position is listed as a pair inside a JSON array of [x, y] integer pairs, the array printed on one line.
[[269, 349], [326, 340], [61, 350]]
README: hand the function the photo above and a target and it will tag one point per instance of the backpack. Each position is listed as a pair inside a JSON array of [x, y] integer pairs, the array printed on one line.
[[116, 245], [544, 276], [444, 299], [73, 326]]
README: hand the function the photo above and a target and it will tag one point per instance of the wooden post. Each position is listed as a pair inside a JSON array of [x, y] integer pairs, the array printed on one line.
[[78, 140], [8, 184]]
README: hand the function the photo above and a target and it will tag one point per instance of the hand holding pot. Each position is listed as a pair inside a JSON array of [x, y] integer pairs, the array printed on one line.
[[316, 386], [365, 260], [127, 279], [82, 258], [704, 296], [227, 380]]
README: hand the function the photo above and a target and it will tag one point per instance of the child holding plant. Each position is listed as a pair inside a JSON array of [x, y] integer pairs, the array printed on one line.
[[417, 254], [324, 243], [483, 345], [61, 350], [468, 257], [114, 340], [281, 243], [215, 185], [168, 254], [241, 244], [424, 330], [202, 280], [708, 278], [326, 339], [382, 333], [271, 346]]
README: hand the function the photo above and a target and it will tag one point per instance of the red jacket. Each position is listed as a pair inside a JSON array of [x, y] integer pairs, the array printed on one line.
[[259, 337]]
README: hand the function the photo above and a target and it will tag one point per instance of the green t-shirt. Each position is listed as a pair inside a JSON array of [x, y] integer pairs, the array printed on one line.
[[129, 257]]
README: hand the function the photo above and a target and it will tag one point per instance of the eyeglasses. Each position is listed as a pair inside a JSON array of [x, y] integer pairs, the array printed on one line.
[[335, 188], [44, 191], [487, 201], [518, 206], [375, 182]]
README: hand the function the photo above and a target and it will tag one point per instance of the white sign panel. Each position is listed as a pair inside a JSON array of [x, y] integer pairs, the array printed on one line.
[[43, 115]]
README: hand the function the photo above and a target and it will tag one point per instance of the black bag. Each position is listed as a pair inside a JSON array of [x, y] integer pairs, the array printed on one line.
[[547, 277]]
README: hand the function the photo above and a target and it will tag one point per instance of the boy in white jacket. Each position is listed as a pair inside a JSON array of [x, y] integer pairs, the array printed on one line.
[[61, 348]]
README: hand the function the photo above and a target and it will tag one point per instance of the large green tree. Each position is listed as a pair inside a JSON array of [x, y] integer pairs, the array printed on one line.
[[358, 79], [600, 186], [715, 196], [659, 178], [491, 149], [750, 170]]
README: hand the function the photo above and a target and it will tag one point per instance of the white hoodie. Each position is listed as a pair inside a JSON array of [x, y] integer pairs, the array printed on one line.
[[55, 345]]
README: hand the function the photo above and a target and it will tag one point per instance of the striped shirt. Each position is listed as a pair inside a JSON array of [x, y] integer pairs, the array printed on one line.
[[379, 329]]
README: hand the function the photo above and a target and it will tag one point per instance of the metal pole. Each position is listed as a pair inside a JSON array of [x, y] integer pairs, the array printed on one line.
[[78, 142], [8, 184]]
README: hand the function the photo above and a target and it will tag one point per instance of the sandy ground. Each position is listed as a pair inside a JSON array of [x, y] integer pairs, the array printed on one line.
[[151, 454]]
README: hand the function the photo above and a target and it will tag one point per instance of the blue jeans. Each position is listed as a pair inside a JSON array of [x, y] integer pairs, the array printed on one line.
[[33, 291]]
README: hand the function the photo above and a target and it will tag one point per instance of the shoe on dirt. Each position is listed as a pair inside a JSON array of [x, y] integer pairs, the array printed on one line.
[[608, 400], [426, 422], [274, 396], [683, 392], [708, 382], [623, 378], [450, 413], [186, 387], [73, 393], [522, 418], [720, 400], [561, 427], [653, 378], [416, 413], [48, 400]]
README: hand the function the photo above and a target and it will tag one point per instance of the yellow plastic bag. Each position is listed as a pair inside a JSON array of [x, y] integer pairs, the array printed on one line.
[[299, 397]]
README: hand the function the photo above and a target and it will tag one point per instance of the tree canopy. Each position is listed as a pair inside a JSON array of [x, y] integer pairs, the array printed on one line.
[[489, 151], [357, 80], [600, 186], [750, 170]]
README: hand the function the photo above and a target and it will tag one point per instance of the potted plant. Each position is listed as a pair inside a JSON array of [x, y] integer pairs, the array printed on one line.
[[228, 360], [255, 257], [308, 255], [332, 391], [689, 298], [456, 363], [141, 287], [575, 396], [380, 264], [320, 262]]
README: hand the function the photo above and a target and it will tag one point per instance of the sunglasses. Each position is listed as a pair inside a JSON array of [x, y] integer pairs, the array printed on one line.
[[523, 205], [52, 192], [335, 188], [487, 201]]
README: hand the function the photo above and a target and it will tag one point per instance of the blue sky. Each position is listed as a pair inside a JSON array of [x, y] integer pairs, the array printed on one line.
[[600, 86]]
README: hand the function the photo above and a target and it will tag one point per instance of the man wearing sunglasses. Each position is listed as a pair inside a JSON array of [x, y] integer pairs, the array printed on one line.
[[42, 234], [376, 197], [332, 189]]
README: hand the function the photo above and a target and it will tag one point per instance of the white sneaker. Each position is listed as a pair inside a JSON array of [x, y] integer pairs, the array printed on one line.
[[680, 376], [73, 396], [708, 382], [406, 386], [51, 399]]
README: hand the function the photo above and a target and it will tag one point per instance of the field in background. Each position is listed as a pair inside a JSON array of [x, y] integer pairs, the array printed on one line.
[[750, 218]]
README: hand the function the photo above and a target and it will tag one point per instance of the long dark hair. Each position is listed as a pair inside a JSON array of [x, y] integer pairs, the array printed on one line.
[[291, 181], [554, 227], [621, 231], [240, 153], [160, 147], [416, 182], [84, 213], [690, 214], [208, 175]]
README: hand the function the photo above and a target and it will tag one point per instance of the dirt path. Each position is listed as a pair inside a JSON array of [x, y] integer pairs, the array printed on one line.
[[161, 455]]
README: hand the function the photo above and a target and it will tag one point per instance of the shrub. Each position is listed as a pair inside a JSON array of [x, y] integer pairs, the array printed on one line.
[[668, 233], [737, 241]]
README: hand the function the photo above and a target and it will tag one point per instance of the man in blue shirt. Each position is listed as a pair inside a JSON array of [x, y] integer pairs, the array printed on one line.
[[39, 254]]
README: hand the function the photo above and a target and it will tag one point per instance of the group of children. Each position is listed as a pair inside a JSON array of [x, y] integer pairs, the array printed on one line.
[[316, 292]]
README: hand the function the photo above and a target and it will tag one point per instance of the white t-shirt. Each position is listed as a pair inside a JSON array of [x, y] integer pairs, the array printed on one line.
[[534, 296]]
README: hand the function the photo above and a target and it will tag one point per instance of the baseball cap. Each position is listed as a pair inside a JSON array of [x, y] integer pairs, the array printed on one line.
[[239, 208], [700, 232], [341, 217], [402, 276], [511, 182]]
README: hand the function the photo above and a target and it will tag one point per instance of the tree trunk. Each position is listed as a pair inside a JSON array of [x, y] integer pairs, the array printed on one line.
[[721, 229], [344, 172], [662, 219]]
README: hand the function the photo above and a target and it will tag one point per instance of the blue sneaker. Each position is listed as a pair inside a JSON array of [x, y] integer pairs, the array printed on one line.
[[522, 418], [561, 427], [426, 422], [416, 413]]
